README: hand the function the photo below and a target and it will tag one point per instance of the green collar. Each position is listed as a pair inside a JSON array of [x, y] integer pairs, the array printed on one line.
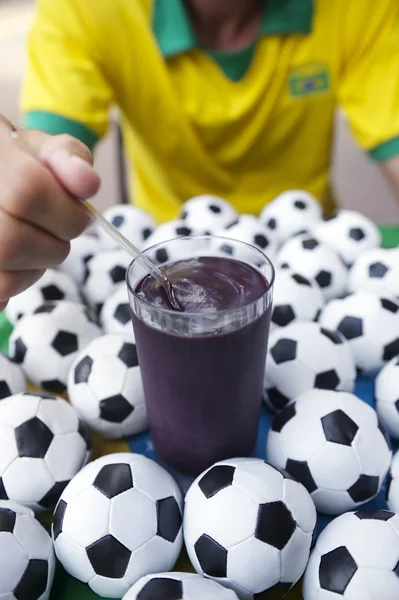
[[175, 34]]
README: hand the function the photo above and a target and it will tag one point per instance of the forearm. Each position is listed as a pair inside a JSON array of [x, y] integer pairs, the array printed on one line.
[[390, 168]]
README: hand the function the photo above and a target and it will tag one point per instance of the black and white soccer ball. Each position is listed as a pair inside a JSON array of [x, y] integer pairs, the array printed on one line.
[[43, 444], [387, 396], [249, 527], [169, 231], [134, 223], [105, 271], [115, 316], [52, 287], [356, 557], [106, 389], [392, 488], [350, 233], [27, 561], [334, 444], [119, 519], [46, 343], [315, 260], [291, 213], [377, 271], [83, 248], [303, 356], [178, 586], [12, 378], [370, 323], [295, 298], [250, 230], [207, 213]]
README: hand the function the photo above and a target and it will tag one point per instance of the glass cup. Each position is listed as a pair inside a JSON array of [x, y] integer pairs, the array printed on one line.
[[202, 372]]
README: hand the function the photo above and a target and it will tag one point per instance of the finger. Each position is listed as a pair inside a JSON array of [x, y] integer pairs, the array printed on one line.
[[13, 283]]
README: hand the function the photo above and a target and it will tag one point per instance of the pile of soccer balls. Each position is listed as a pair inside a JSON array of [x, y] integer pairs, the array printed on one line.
[[249, 526]]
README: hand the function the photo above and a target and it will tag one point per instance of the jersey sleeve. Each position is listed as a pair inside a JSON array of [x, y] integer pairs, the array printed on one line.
[[368, 86], [66, 89]]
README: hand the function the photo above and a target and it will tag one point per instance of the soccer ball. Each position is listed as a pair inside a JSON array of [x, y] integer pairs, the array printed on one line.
[[250, 230], [178, 586], [249, 527], [314, 260], [12, 379], [290, 213], [115, 316], [132, 222], [387, 396], [355, 558], [119, 519], [350, 233], [106, 389], [376, 270], [333, 443], [43, 444], [295, 298], [83, 248], [52, 287], [169, 231], [27, 561], [208, 214], [370, 323], [104, 272], [392, 489], [303, 356], [46, 343]]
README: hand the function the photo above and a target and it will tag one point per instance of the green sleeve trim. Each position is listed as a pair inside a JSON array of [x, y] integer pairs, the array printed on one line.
[[55, 124], [386, 150]]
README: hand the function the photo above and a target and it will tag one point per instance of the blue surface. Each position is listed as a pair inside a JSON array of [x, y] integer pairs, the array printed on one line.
[[364, 390]]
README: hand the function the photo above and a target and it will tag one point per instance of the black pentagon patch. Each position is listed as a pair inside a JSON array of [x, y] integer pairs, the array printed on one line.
[[115, 409], [283, 315], [84, 433], [275, 525], [161, 588], [389, 305], [54, 385], [332, 335], [114, 479], [4, 390], [169, 519], [161, 255], [351, 327], [339, 428], [117, 220], [284, 265], [33, 582], [284, 350], [261, 240], [108, 557], [271, 224], [309, 244], [374, 515], [53, 495], [227, 249], [301, 472], [58, 518], [128, 355], [323, 279], [33, 438], [20, 351], [277, 591], [328, 380], [3, 493], [7, 520], [118, 274], [45, 308], [336, 570], [122, 314], [211, 556], [146, 233], [52, 292], [301, 280], [357, 234], [216, 479], [277, 399], [82, 370], [65, 343], [377, 270], [283, 417], [366, 487], [215, 209], [183, 231], [300, 204], [391, 350]]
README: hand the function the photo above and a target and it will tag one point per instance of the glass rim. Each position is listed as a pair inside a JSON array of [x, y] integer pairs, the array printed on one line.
[[203, 314]]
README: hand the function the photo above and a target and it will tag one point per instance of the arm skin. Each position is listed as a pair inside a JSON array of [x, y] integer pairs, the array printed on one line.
[[390, 168]]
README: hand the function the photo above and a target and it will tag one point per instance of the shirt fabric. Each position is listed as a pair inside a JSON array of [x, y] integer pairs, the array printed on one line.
[[192, 124]]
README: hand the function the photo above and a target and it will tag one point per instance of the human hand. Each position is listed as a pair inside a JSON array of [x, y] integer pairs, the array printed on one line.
[[41, 177]]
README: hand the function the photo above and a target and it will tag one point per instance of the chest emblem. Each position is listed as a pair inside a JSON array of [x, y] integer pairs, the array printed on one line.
[[308, 79]]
